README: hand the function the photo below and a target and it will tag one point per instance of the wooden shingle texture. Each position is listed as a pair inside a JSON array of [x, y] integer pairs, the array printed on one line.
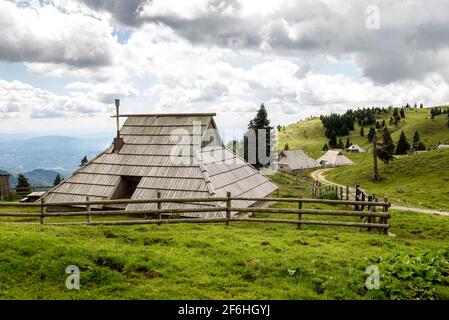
[[172, 155]]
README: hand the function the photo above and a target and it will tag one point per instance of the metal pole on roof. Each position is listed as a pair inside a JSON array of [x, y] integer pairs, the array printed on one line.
[[117, 105]]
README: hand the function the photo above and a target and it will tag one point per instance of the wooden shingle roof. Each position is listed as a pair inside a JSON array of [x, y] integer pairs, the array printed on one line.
[[169, 154], [297, 160]]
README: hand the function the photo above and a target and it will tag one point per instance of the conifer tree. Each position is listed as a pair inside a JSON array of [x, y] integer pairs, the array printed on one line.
[[22, 181], [83, 161], [325, 147], [416, 140], [387, 148], [371, 134], [340, 144], [348, 143], [333, 140], [260, 122], [57, 180], [403, 145]]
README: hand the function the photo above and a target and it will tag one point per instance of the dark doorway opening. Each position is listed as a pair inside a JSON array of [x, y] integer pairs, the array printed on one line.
[[126, 187]]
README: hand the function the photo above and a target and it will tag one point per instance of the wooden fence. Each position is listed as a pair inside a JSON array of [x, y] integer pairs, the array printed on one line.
[[369, 218], [340, 192]]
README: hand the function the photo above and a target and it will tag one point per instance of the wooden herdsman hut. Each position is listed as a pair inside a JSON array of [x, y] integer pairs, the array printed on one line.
[[180, 155], [4, 184], [293, 161]]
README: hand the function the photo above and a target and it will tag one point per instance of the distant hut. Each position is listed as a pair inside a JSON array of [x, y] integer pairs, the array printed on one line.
[[179, 155], [334, 158], [293, 161], [443, 146], [355, 148], [5, 189]]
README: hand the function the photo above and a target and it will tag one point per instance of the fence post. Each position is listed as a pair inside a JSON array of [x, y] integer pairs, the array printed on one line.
[[341, 193], [89, 218], [159, 206], [43, 210], [370, 209], [385, 210], [347, 192], [228, 207], [299, 211]]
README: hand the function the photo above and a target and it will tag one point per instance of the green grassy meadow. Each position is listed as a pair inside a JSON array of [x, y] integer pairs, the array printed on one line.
[[242, 261]]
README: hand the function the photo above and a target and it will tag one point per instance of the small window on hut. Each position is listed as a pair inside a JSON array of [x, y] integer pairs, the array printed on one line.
[[126, 187]]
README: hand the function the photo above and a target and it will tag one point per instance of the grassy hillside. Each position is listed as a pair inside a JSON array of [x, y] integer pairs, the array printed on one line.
[[243, 261], [309, 134], [418, 180]]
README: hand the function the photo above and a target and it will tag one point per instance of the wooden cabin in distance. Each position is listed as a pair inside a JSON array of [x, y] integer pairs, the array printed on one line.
[[293, 161], [334, 158], [355, 148], [5, 188], [179, 155]]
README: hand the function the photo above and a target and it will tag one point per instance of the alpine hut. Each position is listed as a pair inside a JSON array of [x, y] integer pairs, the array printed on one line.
[[355, 148], [334, 158], [4, 184], [293, 161], [179, 155]]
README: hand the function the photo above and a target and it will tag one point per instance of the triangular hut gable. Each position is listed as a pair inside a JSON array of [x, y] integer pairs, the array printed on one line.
[[165, 153], [334, 158], [297, 160]]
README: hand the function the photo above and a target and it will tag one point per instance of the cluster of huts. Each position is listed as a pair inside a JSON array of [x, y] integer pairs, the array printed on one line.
[[294, 161]]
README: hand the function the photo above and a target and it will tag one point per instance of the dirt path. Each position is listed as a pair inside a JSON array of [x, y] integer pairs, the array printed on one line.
[[319, 175]]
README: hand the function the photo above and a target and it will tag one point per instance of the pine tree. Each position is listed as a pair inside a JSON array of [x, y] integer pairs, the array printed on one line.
[[325, 147], [22, 182], [421, 106], [57, 180], [348, 143], [416, 140], [83, 161], [362, 131], [333, 140], [402, 113], [387, 148], [378, 125], [371, 134], [421, 146], [340, 144], [260, 122], [403, 146], [286, 147]]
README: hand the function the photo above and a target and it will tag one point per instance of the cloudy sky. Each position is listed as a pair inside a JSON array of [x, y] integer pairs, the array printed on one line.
[[63, 62]]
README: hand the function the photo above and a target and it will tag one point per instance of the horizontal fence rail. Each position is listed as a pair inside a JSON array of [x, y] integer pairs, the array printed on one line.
[[369, 219]]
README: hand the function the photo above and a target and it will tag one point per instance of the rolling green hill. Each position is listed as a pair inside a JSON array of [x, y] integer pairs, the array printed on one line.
[[309, 134], [414, 180], [419, 180]]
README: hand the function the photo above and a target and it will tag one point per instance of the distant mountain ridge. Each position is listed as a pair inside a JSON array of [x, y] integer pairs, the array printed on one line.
[[58, 154], [36, 178]]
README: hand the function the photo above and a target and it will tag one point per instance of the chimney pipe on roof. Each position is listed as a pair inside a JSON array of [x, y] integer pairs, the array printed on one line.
[[118, 142], [117, 105]]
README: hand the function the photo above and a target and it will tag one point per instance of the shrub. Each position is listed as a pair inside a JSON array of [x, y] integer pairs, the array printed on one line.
[[329, 195], [407, 276]]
